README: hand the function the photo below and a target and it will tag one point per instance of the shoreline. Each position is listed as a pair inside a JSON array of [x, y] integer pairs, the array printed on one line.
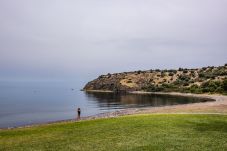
[[218, 106]]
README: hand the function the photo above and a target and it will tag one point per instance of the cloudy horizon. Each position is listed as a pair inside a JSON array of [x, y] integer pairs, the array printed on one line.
[[82, 39]]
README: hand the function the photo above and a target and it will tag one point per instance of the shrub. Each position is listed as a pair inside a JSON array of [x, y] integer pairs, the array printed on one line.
[[219, 90], [129, 81], [159, 88], [163, 74], [224, 85], [165, 85], [193, 74], [200, 80], [180, 69], [138, 72], [171, 74], [101, 76], [209, 69], [209, 75], [108, 75], [204, 68], [195, 89], [177, 82], [192, 71], [201, 75], [220, 71], [194, 86], [185, 71], [191, 81], [173, 71], [151, 80], [211, 86], [186, 84], [184, 78], [153, 88]]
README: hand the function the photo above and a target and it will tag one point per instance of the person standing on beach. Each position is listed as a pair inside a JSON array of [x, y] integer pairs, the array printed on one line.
[[78, 113]]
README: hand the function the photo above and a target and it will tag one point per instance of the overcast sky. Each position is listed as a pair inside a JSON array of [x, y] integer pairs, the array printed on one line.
[[81, 39]]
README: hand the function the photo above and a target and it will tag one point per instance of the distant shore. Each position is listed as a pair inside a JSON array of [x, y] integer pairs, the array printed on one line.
[[218, 106]]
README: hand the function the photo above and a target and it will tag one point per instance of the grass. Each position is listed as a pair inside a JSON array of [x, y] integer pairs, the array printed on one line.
[[132, 133]]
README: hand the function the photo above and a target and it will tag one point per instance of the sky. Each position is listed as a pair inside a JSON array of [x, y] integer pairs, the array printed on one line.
[[81, 39]]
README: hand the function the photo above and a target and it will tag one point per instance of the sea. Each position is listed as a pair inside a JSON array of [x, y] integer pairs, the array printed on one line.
[[26, 103]]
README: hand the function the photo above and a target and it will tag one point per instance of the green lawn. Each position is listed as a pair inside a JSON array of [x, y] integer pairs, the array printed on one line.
[[133, 133]]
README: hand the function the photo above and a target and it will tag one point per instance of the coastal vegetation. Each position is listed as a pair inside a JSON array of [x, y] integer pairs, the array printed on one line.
[[132, 133], [202, 80]]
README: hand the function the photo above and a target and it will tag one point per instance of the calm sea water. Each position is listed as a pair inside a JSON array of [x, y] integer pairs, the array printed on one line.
[[24, 103]]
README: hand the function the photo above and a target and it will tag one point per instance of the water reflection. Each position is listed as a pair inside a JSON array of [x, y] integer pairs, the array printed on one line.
[[107, 101]]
